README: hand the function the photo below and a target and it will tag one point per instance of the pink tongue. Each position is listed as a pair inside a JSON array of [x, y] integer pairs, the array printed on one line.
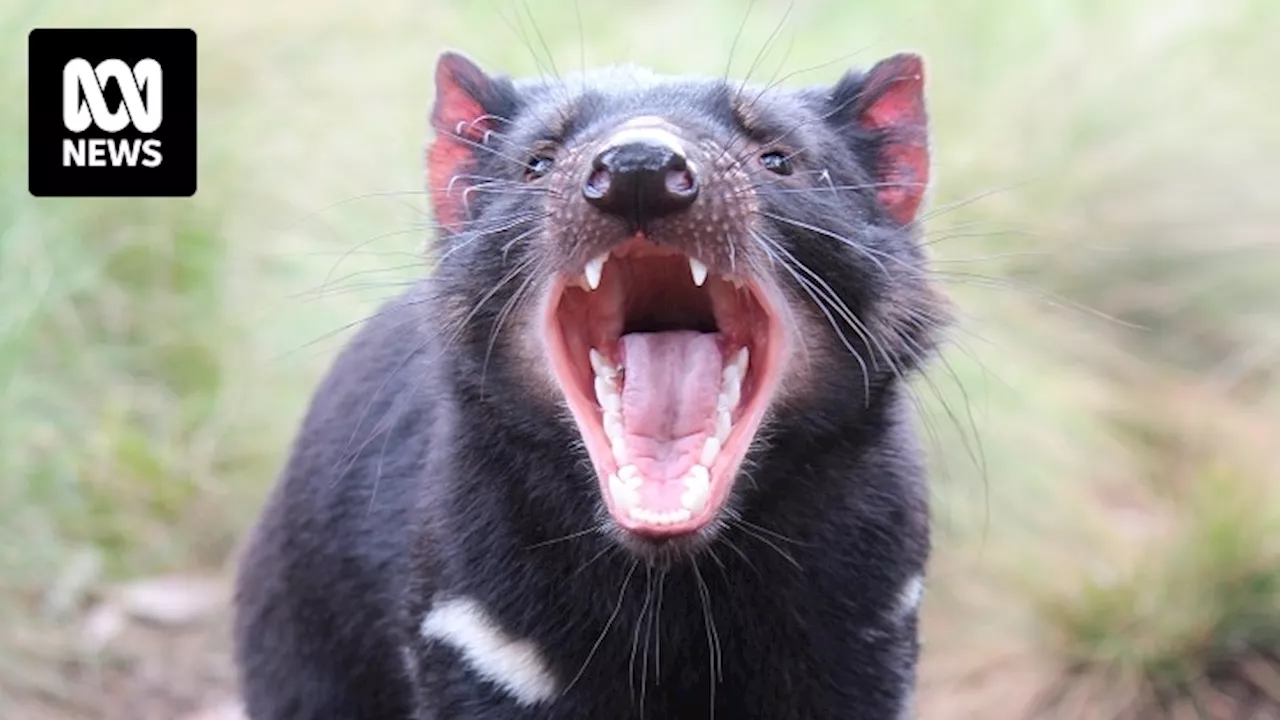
[[670, 384]]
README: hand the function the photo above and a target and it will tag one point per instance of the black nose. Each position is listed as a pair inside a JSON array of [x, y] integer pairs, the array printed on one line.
[[640, 181]]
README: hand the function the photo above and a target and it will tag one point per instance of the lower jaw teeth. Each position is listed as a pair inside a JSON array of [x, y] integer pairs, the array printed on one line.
[[630, 475], [671, 517], [619, 450], [624, 486], [697, 489], [624, 494]]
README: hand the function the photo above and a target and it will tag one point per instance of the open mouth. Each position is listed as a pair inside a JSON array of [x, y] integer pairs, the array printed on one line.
[[668, 370]]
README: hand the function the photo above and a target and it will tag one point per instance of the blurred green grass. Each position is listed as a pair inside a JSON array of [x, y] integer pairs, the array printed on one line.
[[1104, 429]]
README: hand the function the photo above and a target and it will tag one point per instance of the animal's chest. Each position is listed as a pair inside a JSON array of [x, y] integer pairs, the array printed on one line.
[[672, 651]]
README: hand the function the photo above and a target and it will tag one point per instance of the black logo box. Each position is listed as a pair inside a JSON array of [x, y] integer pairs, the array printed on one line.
[[49, 50]]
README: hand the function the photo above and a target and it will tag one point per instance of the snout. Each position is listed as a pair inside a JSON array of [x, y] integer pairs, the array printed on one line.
[[641, 173]]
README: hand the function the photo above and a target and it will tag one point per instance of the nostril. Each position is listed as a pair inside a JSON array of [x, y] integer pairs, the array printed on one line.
[[680, 183], [597, 185]]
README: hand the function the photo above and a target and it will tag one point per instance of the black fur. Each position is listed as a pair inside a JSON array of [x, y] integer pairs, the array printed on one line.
[[432, 464]]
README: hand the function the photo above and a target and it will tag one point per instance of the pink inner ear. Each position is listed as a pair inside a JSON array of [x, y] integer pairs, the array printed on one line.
[[895, 88], [460, 126]]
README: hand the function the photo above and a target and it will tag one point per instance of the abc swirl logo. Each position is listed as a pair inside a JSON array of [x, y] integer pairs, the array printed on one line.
[[111, 112], [84, 106]]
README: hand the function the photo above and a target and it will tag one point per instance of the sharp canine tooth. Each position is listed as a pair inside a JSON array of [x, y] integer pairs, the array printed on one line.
[[594, 269], [709, 451], [699, 272], [740, 361]]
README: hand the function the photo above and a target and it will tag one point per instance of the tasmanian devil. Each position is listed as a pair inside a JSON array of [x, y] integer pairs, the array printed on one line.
[[641, 445]]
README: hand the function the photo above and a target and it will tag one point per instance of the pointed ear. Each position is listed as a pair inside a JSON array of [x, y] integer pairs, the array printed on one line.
[[467, 106], [888, 103]]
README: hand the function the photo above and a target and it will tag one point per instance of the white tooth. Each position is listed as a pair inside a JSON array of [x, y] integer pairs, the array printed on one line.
[[730, 395], [698, 476], [693, 500], [624, 495], [594, 269], [604, 390], [612, 402], [613, 426], [617, 436], [740, 361], [731, 376], [697, 489], [607, 395], [601, 365], [699, 272], [660, 518], [709, 451], [723, 426], [630, 476]]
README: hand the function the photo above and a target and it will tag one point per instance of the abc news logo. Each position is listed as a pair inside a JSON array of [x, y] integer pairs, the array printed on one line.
[[83, 105], [112, 113]]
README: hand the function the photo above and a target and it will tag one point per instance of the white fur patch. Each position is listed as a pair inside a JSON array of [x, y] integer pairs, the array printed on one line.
[[909, 596], [512, 664]]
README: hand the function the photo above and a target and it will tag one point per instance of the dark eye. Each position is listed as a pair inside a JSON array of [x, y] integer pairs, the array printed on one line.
[[538, 166], [776, 162]]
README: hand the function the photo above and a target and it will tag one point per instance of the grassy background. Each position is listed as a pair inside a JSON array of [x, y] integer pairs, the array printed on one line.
[[1105, 427]]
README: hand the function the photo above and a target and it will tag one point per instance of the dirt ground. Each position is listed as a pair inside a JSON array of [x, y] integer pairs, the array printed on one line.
[[171, 674], [158, 649]]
